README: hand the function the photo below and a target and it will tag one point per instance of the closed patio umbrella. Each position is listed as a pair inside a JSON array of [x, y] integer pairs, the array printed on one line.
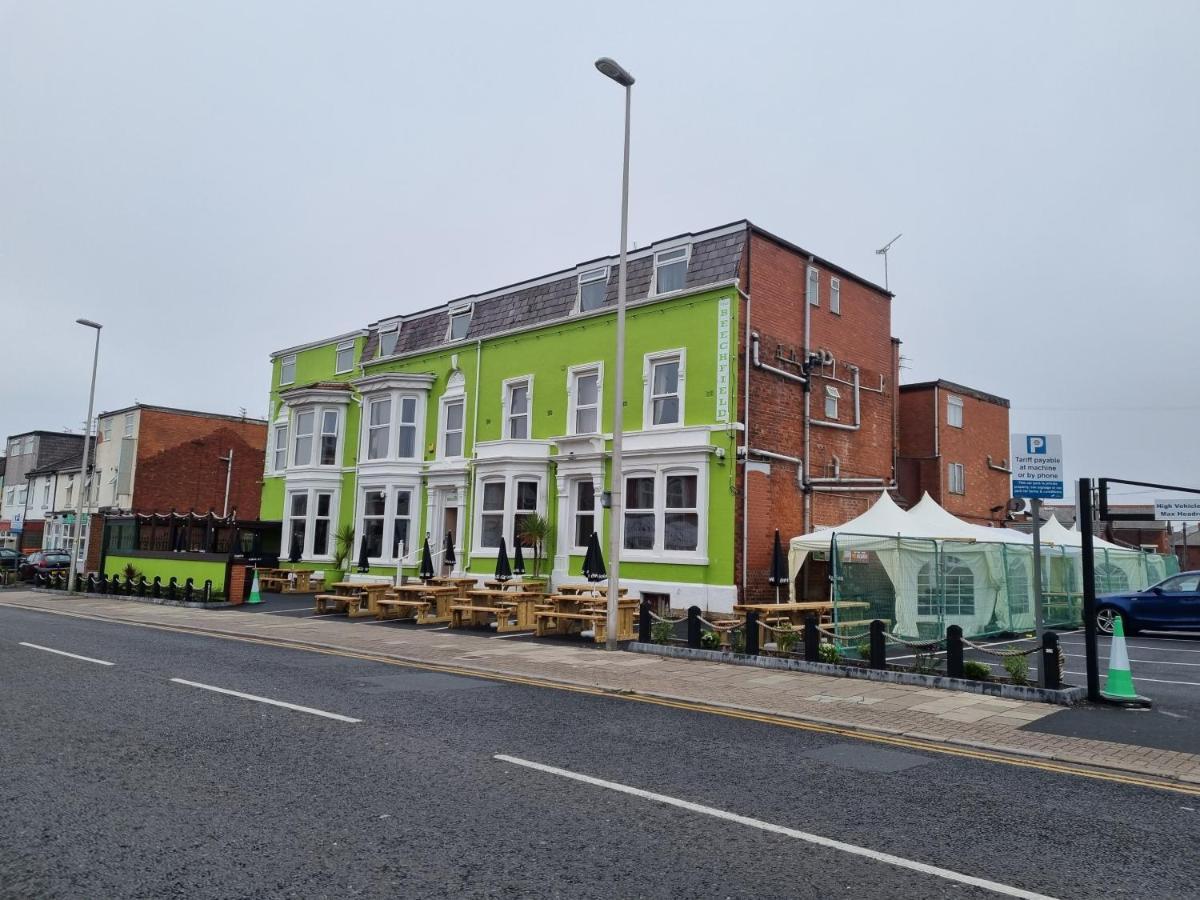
[[593, 561], [294, 553], [518, 565], [426, 561], [779, 572], [364, 561], [503, 571], [448, 558]]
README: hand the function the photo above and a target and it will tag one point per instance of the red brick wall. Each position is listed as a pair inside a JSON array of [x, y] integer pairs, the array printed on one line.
[[984, 433], [860, 336], [179, 463]]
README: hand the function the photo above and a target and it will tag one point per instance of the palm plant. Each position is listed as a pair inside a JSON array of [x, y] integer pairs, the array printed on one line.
[[344, 546], [536, 531]]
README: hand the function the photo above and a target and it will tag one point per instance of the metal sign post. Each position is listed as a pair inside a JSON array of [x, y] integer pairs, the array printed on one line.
[[1084, 495], [1037, 473]]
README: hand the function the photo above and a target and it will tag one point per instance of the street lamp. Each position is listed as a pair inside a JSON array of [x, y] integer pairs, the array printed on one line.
[[87, 440], [613, 70]]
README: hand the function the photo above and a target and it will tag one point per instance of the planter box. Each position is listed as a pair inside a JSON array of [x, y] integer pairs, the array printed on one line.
[[1068, 696]]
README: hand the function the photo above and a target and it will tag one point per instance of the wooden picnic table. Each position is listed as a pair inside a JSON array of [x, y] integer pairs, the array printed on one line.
[[463, 583], [537, 585], [565, 614], [286, 581], [588, 587], [425, 604], [510, 610], [795, 612], [355, 598]]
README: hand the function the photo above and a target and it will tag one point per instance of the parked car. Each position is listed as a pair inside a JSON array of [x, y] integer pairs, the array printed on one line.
[[1171, 605], [43, 562], [10, 558]]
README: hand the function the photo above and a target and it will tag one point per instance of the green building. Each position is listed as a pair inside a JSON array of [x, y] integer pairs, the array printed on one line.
[[466, 417]]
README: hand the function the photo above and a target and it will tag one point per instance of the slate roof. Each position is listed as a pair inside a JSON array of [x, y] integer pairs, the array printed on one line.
[[713, 260]]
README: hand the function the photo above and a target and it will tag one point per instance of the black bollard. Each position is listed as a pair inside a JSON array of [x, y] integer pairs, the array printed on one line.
[[812, 639], [156, 588], [207, 590], [172, 587], [693, 626], [1049, 669], [644, 622], [751, 627], [954, 652], [141, 585], [878, 646], [187, 590]]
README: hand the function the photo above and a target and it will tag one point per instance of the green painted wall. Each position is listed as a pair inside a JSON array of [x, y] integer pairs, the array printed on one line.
[[546, 354], [165, 569]]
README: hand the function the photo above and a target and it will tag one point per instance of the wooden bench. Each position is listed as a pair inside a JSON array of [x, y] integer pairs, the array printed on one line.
[[390, 608], [464, 614], [551, 621], [339, 602]]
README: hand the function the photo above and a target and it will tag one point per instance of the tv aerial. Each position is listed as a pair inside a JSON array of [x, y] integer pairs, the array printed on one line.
[[883, 251]]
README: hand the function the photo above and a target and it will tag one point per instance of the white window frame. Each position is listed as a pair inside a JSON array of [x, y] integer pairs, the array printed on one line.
[[659, 553], [649, 361], [310, 519], [296, 435], [385, 427], [954, 403], [393, 331], [832, 395], [835, 296], [812, 286], [310, 533], [592, 276], [277, 464], [509, 479], [46, 494], [107, 428], [394, 516], [574, 373], [319, 443], [957, 478], [576, 512], [385, 542], [445, 403], [337, 359], [506, 391], [458, 312], [659, 263], [284, 363], [127, 428]]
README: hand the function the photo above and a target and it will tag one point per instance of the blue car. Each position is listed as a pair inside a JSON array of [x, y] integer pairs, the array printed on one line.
[[1171, 605]]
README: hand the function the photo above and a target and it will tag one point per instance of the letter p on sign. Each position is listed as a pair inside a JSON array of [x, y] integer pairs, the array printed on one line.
[[1035, 443]]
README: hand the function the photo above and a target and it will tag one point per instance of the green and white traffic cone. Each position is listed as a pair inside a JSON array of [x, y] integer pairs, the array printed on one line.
[[255, 596], [1118, 685]]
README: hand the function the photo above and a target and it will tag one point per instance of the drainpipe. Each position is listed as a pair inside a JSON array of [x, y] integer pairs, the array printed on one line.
[[759, 364], [998, 468], [746, 433], [837, 488], [466, 507], [807, 450]]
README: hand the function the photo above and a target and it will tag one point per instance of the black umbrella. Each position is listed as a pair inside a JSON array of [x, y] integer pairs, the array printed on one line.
[[518, 566], [593, 561], [364, 562], [448, 558], [503, 572], [294, 553], [426, 561], [779, 572]]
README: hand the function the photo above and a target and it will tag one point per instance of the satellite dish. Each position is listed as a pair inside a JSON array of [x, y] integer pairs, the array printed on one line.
[[1016, 504]]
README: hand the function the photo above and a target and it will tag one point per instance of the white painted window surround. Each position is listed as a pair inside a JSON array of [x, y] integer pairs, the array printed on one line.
[[504, 497], [593, 288], [344, 360], [957, 478], [954, 411], [665, 513], [664, 375], [287, 370], [310, 513], [517, 399], [585, 398], [670, 270], [812, 287], [835, 296]]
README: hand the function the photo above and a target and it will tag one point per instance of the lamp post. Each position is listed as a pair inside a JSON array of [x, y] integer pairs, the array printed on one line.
[[83, 466], [611, 69]]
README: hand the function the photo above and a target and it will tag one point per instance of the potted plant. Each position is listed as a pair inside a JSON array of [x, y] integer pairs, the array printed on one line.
[[535, 532], [343, 549]]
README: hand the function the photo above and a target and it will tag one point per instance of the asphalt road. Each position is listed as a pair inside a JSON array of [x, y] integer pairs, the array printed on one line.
[[116, 781]]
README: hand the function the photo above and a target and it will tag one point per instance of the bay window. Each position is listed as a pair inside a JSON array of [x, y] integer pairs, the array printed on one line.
[[505, 503], [526, 505], [401, 520], [329, 437], [492, 517], [297, 521], [279, 449], [309, 524], [662, 511], [302, 450], [408, 427], [379, 428], [321, 523], [374, 510]]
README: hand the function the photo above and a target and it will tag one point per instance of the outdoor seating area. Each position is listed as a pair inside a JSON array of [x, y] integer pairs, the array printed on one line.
[[289, 581]]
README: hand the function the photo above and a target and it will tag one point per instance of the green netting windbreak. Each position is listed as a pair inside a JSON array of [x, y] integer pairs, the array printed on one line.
[[1062, 587], [1170, 566]]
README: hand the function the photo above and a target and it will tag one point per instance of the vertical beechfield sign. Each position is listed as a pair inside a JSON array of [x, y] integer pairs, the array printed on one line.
[[1037, 466]]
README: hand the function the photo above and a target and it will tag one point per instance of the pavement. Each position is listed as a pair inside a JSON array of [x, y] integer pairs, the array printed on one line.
[[945, 719], [127, 769]]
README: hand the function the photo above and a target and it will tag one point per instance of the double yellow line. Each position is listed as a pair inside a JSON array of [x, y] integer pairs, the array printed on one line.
[[1059, 768]]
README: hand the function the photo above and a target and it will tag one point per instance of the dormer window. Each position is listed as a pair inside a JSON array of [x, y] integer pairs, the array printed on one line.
[[344, 361], [670, 269], [460, 324], [387, 339], [593, 286]]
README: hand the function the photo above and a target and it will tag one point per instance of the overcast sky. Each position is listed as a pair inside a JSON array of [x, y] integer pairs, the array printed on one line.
[[216, 180]]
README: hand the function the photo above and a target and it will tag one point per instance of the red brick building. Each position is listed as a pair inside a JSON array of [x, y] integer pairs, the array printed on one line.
[[819, 367], [155, 458], [953, 444]]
